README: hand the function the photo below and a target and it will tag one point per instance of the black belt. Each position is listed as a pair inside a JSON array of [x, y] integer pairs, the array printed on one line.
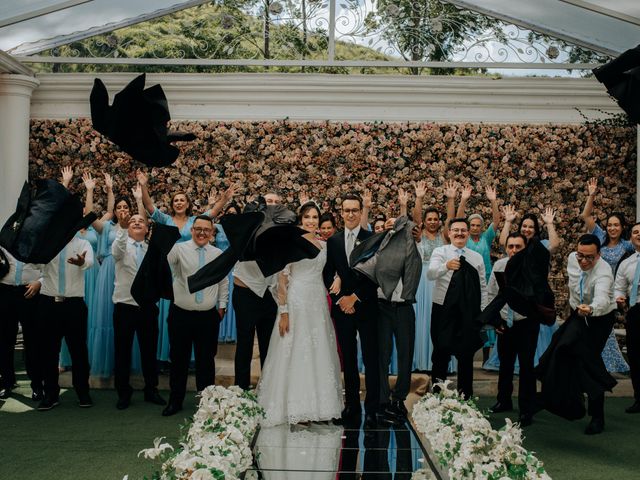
[[394, 304]]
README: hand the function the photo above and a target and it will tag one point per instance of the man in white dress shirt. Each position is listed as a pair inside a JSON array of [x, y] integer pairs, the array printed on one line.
[[445, 260], [194, 318], [626, 292], [62, 313], [591, 298], [129, 318], [19, 298], [517, 338]]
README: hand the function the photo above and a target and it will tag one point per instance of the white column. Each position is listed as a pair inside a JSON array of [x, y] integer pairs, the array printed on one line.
[[15, 107]]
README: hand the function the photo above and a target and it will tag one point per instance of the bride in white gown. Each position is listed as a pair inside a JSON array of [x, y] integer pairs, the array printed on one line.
[[300, 380]]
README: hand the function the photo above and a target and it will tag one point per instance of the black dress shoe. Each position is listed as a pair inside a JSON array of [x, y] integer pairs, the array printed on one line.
[[370, 421], [525, 420], [501, 407], [123, 402], [596, 425], [171, 409], [48, 403], [5, 393], [152, 396], [635, 408], [37, 395], [84, 400]]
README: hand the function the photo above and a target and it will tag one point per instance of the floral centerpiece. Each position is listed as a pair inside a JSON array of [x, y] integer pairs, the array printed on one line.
[[466, 446], [217, 443]]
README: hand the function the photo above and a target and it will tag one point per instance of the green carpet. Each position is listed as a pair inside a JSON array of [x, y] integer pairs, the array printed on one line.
[[97, 443]]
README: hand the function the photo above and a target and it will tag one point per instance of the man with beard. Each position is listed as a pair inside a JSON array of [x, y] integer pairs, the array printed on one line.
[[456, 304]]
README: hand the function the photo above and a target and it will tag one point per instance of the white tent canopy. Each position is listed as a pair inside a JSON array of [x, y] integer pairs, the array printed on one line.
[[607, 26]]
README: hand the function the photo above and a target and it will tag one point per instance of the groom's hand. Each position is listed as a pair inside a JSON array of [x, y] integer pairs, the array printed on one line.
[[347, 303]]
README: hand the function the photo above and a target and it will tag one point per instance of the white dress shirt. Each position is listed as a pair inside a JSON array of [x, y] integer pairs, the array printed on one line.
[[493, 289], [20, 273], [625, 276], [396, 296], [597, 289], [250, 274], [184, 260], [124, 252], [73, 275], [439, 272]]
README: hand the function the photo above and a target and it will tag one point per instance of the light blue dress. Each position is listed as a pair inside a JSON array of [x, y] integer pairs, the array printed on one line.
[[544, 339], [228, 331], [90, 277], [611, 354], [163, 304], [100, 337], [483, 247]]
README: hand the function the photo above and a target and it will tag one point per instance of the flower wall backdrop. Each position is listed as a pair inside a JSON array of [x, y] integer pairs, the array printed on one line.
[[532, 166]]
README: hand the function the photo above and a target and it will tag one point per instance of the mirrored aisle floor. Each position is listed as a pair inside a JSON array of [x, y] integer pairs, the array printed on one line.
[[331, 452]]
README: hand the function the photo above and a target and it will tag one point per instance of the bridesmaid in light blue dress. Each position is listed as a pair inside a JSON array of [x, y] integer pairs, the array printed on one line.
[[228, 332], [433, 235], [181, 217], [91, 274], [613, 247]]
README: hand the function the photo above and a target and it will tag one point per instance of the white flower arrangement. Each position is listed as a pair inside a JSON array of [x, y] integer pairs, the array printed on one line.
[[217, 443], [465, 444]]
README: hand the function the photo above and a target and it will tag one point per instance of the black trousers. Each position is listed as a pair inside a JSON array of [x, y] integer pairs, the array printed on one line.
[[519, 341], [186, 329], [440, 359], [254, 314], [364, 322], [58, 320], [17, 309], [633, 348], [396, 320], [597, 334], [127, 321]]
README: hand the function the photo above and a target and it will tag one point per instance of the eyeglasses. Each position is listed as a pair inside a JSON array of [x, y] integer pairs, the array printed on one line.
[[587, 258], [348, 211], [458, 230], [202, 230]]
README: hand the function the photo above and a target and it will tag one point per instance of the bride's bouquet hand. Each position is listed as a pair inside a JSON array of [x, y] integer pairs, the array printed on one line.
[[283, 324]]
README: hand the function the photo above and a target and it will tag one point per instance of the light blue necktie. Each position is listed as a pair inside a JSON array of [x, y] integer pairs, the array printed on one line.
[[62, 265], [583, 275], [139, 253], [633, 298], [199, 294], [509, 317], [19, 266], [460, 251]]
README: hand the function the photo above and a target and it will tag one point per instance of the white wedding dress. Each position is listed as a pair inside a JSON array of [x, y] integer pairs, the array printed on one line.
[[300, 380]]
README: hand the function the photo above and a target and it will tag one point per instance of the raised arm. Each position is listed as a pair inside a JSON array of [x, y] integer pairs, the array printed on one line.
[[464, 197], [548, 219], [421, 191], [403, 199], [89, 185], [137, 194], [495, 210], [221, 201], [450, 191], [587, 212], [146, 198], [509, 212], [366, 209], [67, 175]]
